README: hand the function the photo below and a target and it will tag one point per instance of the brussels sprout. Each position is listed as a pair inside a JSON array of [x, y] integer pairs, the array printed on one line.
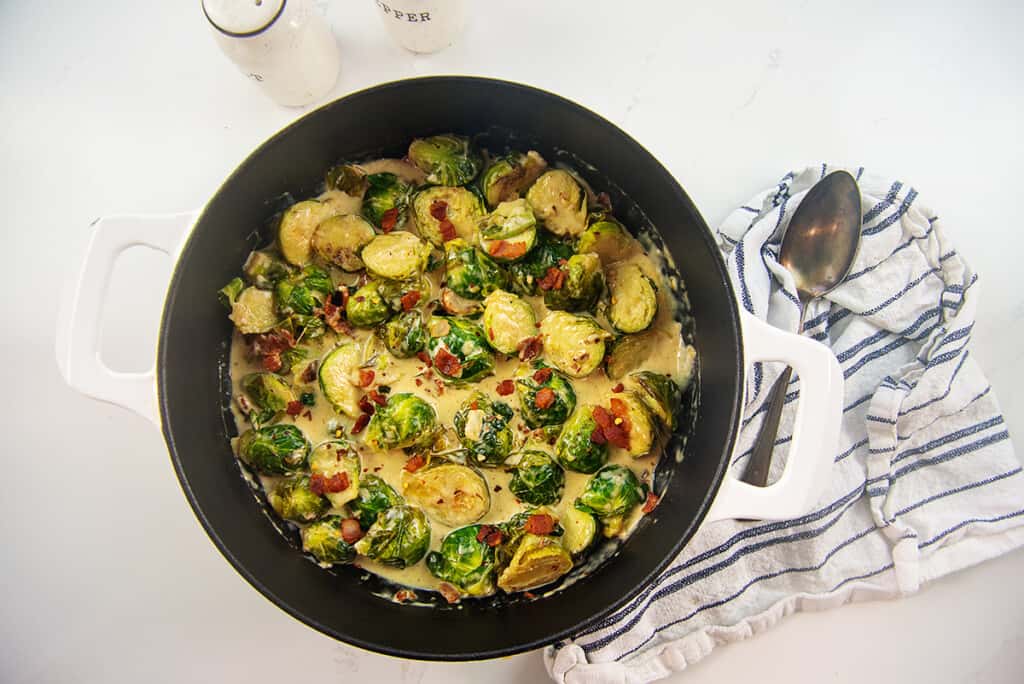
[[509, 232], [374, 497], [393, 292], [575, 449], [347, 178], [264, 269], [398, 255], [254, 311], [337, 378], [634, 299], [292, 499], [508, 321], [658, 392], [483, 428], [469, 272], [573, 344], [458, 349], [385, 201], [274, 450], [460, 207], [339, 240], [366, 306], [580, 530], [464, 562], [638, 421], [304, 292], [323, 540], [405, 335], [555, 406], [627, 353], [537, 561], [508, 177], [399, 537], [609, 239], [612, 492], [549, 252], [449, 493], [584, 282], [537, 479], [295, 231], [229, 293], [404, 421], [267, 392], [558, 200], [446, 159], [332, 459], [459, 306]]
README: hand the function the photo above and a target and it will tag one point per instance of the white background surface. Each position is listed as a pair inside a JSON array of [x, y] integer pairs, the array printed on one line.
[[119, 106]]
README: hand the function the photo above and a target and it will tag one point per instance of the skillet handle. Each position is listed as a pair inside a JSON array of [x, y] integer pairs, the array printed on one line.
[[81, 305], [815, 428]]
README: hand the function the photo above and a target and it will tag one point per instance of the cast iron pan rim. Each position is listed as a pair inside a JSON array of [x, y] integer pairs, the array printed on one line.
[[679, 197]]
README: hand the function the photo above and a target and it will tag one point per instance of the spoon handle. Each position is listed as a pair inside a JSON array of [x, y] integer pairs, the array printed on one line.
[[761, 457]]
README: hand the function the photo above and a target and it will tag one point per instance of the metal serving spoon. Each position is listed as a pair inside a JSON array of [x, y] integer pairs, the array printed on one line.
[[818, 248]]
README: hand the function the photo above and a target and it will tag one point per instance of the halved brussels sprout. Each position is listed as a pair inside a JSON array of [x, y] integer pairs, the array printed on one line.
[[508, 177], [405, 335], [452, 494], [612, 492], [347, 178], [458, 349], [627, 353], [337, 377], [549, 252], [609, 239], [304, 292], [229, 293], [580, 530], [638, 420], [538, 560], [508, 321], [469, 272], [267, 392], [459, 306], [459, 207], [634, 298], [264, 269], [483, 428], [367, 306], [337, 459], [274, 450], [292, 499], [404, 421], [254, 311], [446, 159], [464, 561], [385, 200], [397, 292], [582, 287], [399, 537], [575, 448], [537, 479], [374, 497], [554, 406], [340, 239], [323, 540], [295, 232], [559, 202], [398, 255], [658, 392], [573, 344], [509, 232]]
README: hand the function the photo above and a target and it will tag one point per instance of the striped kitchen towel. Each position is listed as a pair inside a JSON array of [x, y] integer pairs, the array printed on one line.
[[925, 480]]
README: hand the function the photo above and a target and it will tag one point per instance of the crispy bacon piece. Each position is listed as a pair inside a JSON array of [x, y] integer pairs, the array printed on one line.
[[409, 300], [621, 413], [503, 249], [414, 463], [366, 376], [506, 387], [450, 593], [309, 375], [447, 230], [377, 398], [601, 416], [318, 484], [544, 398], [272, 362], [405, 595], [333, 316], [617, 388], [554, 279], [294, 408], [351, 532], [425, 358], [389, 219], [651, 503], [597, 436], [365, 405], [617, 436], [439, 209], [540, 523], [360, 423], [542, 375], [489, 534], [530, 348], [343, 293], [447, 363]]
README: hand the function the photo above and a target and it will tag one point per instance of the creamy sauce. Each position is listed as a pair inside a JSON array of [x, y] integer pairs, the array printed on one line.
[[401, 375]]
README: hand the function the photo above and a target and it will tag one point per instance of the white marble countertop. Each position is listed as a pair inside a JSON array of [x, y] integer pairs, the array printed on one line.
[[129, 106]]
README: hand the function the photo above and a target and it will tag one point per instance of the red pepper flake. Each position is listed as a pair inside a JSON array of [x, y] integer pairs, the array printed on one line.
[[365, 405], [439, 209], [597, 437], [309, 375], [506, 387], [366, 376], [554, 279], [447, 363], [409, 299], [272, 362], [294, 408], [405, 595], [389, 219], [540, 523], [542, 375], [490, 333], [489, 534], [544, 398], [651, 503], [361, 422], [425, 358], [617, 388], [308, 415], [378, 398], [503, 249], [530, 347], [414, 463], [450, 593], [351, 532]]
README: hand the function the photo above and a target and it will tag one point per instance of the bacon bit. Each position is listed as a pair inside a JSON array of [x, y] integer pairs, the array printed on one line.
[[530, 347], [529, 595], [318, 484], [618, 388], [651, 503], [425, 358], [604, 200], [602, 417], [489, 534], [450, 593], [617, 436], [448, 363], [414, 463], [419, 383], [294, 408], [409, 300], [365, 405], [275, 341], [506, 387], [439, 209], [405, 595], [378, 398], [272, 362], [497, 488], [563, 262], [366, 376], [554, 279], [597, 437], [544, 398], [503, 249], [389, 219], [447, 230], [542, 375], [351, 532], [474, 405], [621, 412], [540, 523], [343, 291], [334, 317], [361, 422], [309, 375]]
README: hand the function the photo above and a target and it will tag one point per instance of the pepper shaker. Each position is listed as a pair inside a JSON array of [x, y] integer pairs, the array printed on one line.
[[423, 25], [286, 46]]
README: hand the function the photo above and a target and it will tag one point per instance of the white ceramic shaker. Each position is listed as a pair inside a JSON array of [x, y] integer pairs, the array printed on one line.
[[423, 25], [286, 46]]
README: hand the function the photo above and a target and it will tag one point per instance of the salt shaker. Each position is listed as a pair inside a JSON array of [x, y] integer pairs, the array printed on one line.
[[423, 25], [286, 46]]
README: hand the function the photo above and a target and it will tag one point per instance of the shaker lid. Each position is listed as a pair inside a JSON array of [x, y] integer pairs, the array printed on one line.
[[242, 17]]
